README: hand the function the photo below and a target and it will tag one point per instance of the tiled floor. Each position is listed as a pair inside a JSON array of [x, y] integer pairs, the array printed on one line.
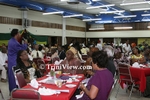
[[122, 95]]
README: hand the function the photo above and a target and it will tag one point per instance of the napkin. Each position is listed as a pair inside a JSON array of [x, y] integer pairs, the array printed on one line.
[[44, 91], [58, 62], [136, 65], [69, 80], [34, 83], [79, 96]]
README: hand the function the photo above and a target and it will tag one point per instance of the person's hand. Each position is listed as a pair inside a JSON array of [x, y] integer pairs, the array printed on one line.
[[81, 92], [82, 86]]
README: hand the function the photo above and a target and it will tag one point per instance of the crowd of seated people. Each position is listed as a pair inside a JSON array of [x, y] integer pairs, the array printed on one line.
[[71, 54]]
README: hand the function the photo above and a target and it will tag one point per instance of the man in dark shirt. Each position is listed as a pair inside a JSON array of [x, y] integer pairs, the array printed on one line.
[[61, 52]]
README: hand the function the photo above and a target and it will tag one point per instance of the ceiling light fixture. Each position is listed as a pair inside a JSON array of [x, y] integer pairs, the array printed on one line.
[[100, 28], [119, 28], [139, 9], [92, 19], [134, 3], [75, 15], [145, 14], [107, 21], [58, 12], [108, 12], [95, 7], [125, 16]]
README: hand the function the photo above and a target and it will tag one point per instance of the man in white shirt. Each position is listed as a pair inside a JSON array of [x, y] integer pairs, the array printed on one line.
[[99, 45], [36, 53], [126, 48], [3, 65]]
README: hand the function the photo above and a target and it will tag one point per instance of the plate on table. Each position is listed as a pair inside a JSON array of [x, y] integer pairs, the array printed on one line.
[[66, 73], [79, 76], [71, 85]]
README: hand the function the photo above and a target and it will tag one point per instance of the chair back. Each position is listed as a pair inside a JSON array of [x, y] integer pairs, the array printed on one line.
[[25, 94], [124, 71], [20, 78]]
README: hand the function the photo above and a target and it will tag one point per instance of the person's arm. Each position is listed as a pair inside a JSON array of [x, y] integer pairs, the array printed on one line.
[[92, 93]]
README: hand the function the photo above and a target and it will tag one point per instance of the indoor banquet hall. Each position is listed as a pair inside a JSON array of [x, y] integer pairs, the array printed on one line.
[[74, 49]]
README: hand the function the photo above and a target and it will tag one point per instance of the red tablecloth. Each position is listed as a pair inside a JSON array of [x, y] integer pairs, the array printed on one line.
[[140, 74], [62, 96]]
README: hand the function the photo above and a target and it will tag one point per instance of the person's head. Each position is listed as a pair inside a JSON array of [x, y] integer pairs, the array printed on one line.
[[60, 48], [4, 49], [36, 47], [15, 33], [127, 41], [136, 50], [99, 59], [109, 50], [71, 53], [53, 50], [22, 55], [92, 49]]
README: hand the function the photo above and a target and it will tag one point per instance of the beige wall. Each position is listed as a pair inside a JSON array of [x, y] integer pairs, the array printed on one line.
[[118, 34], [37, 16]]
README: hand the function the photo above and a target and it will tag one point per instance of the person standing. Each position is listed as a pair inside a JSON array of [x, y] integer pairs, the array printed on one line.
[[13, 47], [126, 48], [3, 65]]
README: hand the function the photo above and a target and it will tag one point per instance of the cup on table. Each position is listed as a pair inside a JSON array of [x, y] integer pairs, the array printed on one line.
[[58, 83]]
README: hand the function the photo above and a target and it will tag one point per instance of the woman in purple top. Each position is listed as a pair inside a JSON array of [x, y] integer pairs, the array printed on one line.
[[101, 82], [13, 47]]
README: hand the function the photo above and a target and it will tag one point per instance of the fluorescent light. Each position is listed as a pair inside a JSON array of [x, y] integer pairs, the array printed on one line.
[[123, 28], [116, 11], [64, 0], [139, 9], [96, 0], [58, 12], [107, 21], [145, 15], [145, 20], [100, 28], [92, 19], [148, 26], [134, 3], [75, 15], [124, 16], [95, 7]]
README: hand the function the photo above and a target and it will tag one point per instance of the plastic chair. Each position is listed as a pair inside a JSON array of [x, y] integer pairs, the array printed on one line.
[[25, 94], [2, 95], [124, 70]]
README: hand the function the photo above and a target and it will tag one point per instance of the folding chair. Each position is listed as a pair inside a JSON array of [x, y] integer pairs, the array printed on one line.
[[125, 76], [20, 78], [2, 95], [25, 94]]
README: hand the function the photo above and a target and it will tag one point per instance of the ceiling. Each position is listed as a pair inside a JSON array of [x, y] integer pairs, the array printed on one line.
[[69, 9]]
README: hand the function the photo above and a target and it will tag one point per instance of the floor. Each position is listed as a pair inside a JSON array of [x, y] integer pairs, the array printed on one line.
[[122, 95]]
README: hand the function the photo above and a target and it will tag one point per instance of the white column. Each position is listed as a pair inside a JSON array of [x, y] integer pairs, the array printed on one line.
[[63, 31], [24, 19]]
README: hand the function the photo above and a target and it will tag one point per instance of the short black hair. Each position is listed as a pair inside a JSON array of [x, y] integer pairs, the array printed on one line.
[[100, 58], [14, 32]]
